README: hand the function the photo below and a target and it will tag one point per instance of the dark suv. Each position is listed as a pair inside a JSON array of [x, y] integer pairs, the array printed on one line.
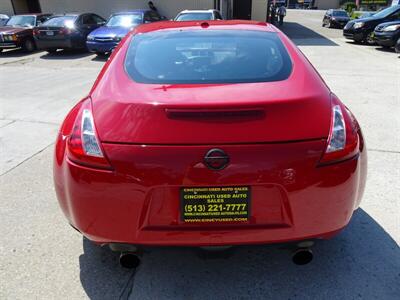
[[362, 30], [17, 32]]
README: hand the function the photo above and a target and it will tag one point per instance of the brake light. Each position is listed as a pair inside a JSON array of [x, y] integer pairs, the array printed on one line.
[[343, 138], [36, 31], [83, 144], [65, 31]]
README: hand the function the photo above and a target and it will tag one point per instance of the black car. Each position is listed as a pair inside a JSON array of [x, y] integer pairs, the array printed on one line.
[[387, 34], [335, 18], [362, 30], [67, 31]]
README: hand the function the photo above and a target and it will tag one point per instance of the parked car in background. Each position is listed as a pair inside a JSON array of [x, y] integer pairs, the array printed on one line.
[[198, 15], [3, 19], [362, 30], [186, 139], [67, 31], [104, 39], [335, 18], [387, 34], [18, 31]]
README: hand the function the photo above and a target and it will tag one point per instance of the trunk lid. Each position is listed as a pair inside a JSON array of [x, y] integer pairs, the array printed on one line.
[[217, 114]]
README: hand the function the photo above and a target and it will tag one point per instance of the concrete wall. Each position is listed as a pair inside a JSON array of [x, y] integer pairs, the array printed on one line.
[[327, 4], [259, 10], [168, 8], [6, 7]]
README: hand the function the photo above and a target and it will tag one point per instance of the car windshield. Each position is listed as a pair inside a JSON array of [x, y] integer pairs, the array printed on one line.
[[60, 21], [209, 56], [25, 21], [124, 20], [340, 13], [194, 16], [387, 12]]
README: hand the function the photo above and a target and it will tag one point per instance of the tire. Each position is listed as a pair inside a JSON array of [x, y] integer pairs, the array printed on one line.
[[369, 40], [29, 46]]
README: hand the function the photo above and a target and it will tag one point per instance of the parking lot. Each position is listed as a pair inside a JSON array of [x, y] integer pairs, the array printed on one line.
[[41, 257]]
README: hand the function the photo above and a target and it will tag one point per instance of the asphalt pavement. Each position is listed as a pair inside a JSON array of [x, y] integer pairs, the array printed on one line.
[[41, 257]]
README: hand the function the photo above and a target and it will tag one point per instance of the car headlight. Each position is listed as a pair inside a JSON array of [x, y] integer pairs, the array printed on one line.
[[12, 37], [391, 27], [358, 25], [90, 38], [117, 38]]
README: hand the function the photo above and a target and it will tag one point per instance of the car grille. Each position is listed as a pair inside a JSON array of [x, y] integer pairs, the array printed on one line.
[[103, 39], [348, 25]]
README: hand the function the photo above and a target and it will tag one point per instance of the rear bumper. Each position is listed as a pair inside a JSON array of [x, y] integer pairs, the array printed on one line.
[[68, 43], [101, 46], [138, 203], [339, 24]]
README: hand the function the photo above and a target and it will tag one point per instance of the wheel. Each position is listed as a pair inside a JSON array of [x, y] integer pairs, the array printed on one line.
[[369, 40], [28, 46]]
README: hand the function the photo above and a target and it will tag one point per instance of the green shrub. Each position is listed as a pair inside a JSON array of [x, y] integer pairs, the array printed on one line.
[[349, 6]]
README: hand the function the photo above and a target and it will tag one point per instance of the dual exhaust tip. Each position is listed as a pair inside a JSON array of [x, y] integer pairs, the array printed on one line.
[[301, 256]]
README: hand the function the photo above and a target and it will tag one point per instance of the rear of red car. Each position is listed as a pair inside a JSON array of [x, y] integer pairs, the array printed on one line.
[[217, 148]]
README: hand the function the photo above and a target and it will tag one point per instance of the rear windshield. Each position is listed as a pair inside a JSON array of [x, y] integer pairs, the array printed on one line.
[[60, 21], [340, 13], [25, 21], [207, 56], [194, 16], [124, 20]]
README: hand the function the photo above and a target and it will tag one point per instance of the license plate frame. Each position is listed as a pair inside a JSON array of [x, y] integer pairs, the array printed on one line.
[[49, 33], [220, 204]]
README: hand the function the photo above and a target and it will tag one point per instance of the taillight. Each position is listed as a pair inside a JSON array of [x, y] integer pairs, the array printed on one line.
[[83, 144], [343, 141], [65, 31], [36, 31]]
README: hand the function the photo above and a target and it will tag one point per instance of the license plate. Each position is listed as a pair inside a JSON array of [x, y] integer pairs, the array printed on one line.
[[215, 204], [49, 33]]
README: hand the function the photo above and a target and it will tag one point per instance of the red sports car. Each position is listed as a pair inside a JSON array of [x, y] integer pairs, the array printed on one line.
[[205, 134]]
